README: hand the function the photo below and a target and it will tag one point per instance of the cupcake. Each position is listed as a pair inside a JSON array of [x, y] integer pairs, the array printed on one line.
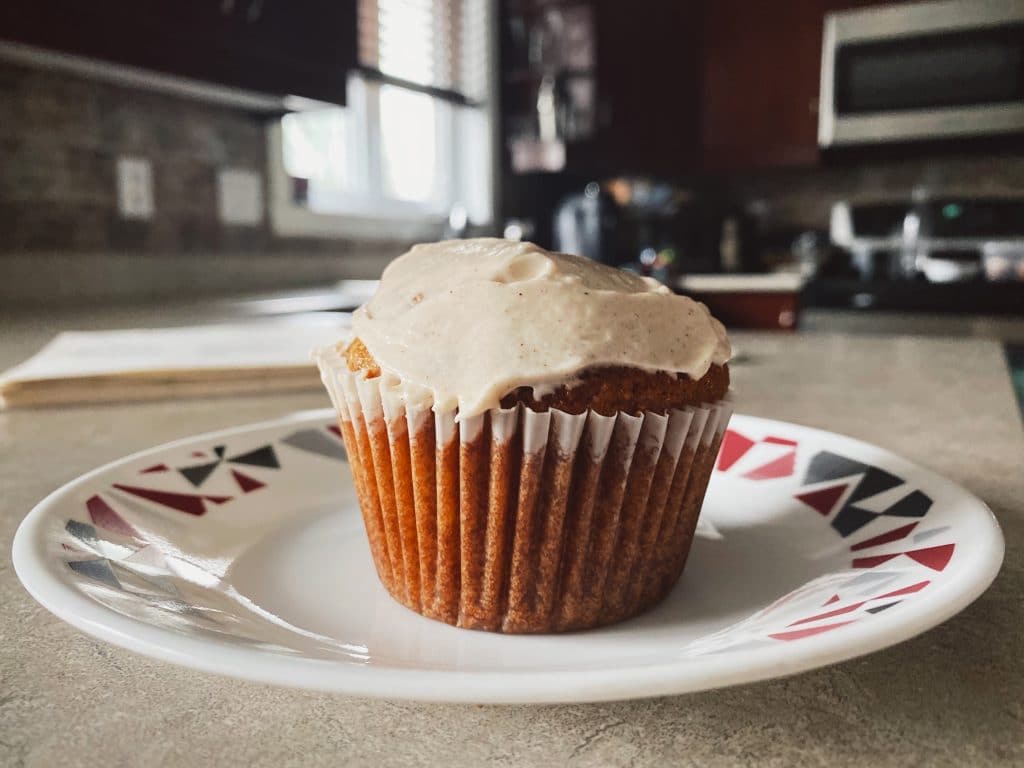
[[530, 433]]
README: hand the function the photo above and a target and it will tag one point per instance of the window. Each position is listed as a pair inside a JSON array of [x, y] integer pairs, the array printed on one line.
[[413, 142]]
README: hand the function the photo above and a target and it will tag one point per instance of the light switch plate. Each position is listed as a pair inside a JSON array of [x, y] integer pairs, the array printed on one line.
[[240, 196], [135, 187]]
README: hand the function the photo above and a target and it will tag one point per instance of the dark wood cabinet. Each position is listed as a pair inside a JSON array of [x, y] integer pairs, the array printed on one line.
[[646, 73], [648, 64], [646, 69], [759, 88], [686, 86], [761, 70], [300, 47]]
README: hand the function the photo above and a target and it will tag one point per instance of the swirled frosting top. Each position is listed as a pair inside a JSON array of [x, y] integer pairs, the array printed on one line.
[[471, 320]]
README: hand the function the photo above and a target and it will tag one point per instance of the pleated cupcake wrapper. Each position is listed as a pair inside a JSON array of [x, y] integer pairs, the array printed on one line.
[[518, 520]]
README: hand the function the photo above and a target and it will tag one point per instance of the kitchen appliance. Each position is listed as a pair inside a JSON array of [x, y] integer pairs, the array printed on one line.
[[873, 235], [942, 239], [636, 223], [584, 224], [922, 71], [731, 235]]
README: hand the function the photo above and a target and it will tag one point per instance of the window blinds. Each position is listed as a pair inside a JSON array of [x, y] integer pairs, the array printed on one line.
[[435, 46]]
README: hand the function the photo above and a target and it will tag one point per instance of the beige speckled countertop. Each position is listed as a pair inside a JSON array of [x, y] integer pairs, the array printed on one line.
[[954, 696]]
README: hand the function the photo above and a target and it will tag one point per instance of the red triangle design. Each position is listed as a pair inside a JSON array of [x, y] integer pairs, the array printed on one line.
[[837, 612], [905, 591], [183, 502], [245, 482], [823, 500], [784, 466], [198, 454], [734, 446], [218, 499], [779, 441], [155, 468], [103, 515], [833, 599], [796, 634], [936, 558], [335, 429], [872, 561], [894, 535]]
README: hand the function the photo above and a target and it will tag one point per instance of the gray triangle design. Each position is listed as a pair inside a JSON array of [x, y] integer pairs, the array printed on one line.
[[925, 535], [84, 532], [98, 570], [316, 441], [871, 577]]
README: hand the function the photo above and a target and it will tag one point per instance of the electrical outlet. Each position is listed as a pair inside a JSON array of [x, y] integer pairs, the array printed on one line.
[[135, 188], [240, 196]]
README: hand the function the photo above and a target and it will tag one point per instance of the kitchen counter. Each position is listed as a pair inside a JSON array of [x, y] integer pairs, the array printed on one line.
[[953, 696]]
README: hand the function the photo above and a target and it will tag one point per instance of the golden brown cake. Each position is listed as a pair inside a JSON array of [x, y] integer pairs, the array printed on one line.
[[606, 389], [530, 434]]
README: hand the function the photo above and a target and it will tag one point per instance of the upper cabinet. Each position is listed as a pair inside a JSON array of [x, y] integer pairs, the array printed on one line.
[[596, 88], [649, 86], [667, 88], [759, 88], [761, 72], [300, 47]]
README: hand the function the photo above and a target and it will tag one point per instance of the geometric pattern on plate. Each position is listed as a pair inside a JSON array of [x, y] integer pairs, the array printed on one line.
[[851, 495], [861, 487], [887, 566], [769, 458], [137, 577]]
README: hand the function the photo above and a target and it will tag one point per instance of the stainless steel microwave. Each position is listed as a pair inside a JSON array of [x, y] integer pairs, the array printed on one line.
[[918, 71]]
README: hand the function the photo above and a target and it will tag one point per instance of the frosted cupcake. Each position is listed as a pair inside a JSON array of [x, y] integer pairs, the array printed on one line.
[[530, 434]]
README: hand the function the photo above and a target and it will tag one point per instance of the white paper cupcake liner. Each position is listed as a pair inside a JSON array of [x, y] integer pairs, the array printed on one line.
[[518, 520]]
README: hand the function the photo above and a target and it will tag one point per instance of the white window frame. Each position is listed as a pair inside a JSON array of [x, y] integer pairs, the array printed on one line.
[[384, 219]]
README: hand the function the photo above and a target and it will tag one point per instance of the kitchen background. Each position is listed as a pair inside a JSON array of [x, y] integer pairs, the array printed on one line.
[[154, 150], [192, 193]]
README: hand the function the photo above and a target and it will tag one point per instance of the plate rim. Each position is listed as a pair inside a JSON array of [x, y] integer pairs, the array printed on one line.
[[36, 572]]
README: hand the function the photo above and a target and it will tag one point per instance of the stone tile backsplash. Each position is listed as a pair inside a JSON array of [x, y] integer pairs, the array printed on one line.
[[60, 139], [802, 198]]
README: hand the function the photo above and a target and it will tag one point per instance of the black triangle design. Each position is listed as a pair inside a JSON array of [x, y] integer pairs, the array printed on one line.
[[197, 475], [875, 481], [261, 457], [851, 519], [880, 608], [915, 504], [830, 466], [219, 450]]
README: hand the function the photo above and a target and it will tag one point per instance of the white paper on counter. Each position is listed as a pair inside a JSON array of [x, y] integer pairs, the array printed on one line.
[[154, 358]]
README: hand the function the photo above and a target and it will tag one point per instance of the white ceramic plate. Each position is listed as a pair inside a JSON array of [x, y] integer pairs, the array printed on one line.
[[242, 552]]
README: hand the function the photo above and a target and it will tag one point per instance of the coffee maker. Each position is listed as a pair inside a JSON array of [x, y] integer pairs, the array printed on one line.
[[637, 223]]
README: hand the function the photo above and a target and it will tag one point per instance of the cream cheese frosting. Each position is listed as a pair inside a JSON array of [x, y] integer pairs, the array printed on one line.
[[471, 320]]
